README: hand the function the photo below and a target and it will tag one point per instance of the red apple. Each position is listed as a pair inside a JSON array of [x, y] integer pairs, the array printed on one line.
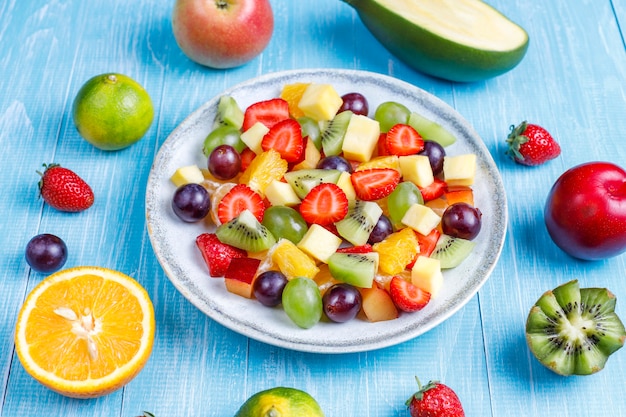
[[585, 212], [222, 33]]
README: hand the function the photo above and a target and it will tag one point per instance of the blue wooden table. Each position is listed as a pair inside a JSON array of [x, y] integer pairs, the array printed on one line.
[[572, 81]]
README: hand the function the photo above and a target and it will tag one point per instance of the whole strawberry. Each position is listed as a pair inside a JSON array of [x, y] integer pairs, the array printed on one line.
[[530, 144], [64, 190], [435, 400]]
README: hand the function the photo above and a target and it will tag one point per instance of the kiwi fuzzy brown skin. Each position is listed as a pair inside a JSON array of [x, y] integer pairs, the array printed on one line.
[[573, 331]]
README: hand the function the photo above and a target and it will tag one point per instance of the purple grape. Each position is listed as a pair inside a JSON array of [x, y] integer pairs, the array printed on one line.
[[356, 103], [342, 302], [46, 253], [435, 153], [224, 162], [191, 202], [268, 287], [461, 220], [335, 162], [382, 229]]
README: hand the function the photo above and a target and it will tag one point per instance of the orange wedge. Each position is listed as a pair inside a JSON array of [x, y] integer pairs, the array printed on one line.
[[85, 332]]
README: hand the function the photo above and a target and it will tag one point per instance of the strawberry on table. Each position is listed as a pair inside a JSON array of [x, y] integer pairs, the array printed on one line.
[[268, 112], [325, 204], [435, 400], [64, 190], [406, 296], [403, 140], [238, 199], [374, 183], [530, 144], [216, 254], [285, 137]]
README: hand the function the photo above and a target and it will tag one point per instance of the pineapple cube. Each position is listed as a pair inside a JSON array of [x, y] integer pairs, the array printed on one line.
[[361, 138], [459, 169], [319, 243], [417, 169], [254, 136], [320, 102], [345, 183], [377, 304], [187, 175], [280, 193], [421, 218], [312, 156], [426, 274]]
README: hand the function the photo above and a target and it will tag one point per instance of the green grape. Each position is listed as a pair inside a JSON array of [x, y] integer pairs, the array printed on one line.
[[404, 196], [302, 302], [285, 222], [312, 130], [391, 113], [223, 135]]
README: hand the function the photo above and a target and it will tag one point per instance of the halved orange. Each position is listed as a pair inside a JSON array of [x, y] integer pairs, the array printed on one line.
[[86, 331]]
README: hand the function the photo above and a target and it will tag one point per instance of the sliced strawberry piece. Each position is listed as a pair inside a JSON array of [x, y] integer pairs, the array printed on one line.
[[247, 155], [434, 190], [427, 243], [238, 199], [325, 204], [216, 254], [285, 137], [375, 183], [406, 296], [268, 112], [382, 145], [403, 140], [356, 249]]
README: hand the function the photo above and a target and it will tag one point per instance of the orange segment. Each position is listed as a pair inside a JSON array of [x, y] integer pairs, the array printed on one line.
[[396, 251], [86, 331], [264, 168], [292, 93], [292, 261]]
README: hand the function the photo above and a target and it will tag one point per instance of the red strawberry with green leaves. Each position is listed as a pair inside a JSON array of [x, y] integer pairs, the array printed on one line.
[[216, 254], [325, 204], [238, 199], [531, 144], [268, 112], [285, 137], [406, 296], [403, 140], [435, 400], [374, 183], [64, 190]]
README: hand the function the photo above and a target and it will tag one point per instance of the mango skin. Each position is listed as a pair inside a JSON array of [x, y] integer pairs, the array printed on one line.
[[430, 53]]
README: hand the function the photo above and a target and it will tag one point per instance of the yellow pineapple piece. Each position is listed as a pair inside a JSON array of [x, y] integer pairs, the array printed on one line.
[[264, 168], [459, 169], [396, 251], [388, 161], [187, 175], [361, 138], [292, 93], [292, 261], [320, 102]]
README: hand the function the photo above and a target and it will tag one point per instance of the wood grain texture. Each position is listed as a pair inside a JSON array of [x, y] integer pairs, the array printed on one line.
[[572, 81]]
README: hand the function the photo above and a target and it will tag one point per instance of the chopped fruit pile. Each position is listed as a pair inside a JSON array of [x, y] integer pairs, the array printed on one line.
[[333, 214]]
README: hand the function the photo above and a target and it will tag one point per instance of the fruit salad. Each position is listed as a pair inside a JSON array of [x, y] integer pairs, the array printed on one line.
[[327, 211]]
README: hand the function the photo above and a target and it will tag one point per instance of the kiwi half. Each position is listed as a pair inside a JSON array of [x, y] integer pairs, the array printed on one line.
[[357, 269], [245, 232], [451, 251], [573, 330], [303, 180], [359, 222], [333, 134]]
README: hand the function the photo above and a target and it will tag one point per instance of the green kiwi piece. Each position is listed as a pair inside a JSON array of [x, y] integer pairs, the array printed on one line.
[[573, 330], [356, 269], [303, 180], [431, 130], [451, 251], [228, 113], [245, 232], [311, 129], [332, 136], [359, 222]]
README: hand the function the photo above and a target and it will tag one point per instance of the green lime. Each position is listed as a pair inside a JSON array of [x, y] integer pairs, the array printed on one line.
[[280, 402], [112, 111]]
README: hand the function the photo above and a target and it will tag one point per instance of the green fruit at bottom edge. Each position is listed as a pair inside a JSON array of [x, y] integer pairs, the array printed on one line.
[[280, 402], [457, 40]]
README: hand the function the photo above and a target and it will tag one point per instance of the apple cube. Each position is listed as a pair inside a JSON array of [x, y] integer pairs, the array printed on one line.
[[361, 138], [280, 193], [254, 136], [319, 243], [345, 183], [187, 175], [417, 169], [426, 274], [459, 169], [421, 218], [377, 304], [240, 275], [460, 194], [320, 102]]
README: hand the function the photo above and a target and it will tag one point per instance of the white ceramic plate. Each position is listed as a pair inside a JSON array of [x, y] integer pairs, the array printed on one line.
[[174, 241]]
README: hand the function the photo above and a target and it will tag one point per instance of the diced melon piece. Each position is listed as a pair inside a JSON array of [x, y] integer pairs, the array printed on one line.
[[254, 136], [319, 243], [459, 169], [320, 102], [345, 183], [187, 175], [421, 218], [280, 193], [361, 138], [377, 304], [417, 169], [312, 156], [426, 274]]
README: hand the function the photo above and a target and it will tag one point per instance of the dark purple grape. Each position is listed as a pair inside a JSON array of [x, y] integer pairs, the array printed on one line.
[[224, 162], [46, 253], [191, 202], [382, 229], [435, 154], [335, 162], [355, 102], [342, 302], [268, 287], [461, 220]]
